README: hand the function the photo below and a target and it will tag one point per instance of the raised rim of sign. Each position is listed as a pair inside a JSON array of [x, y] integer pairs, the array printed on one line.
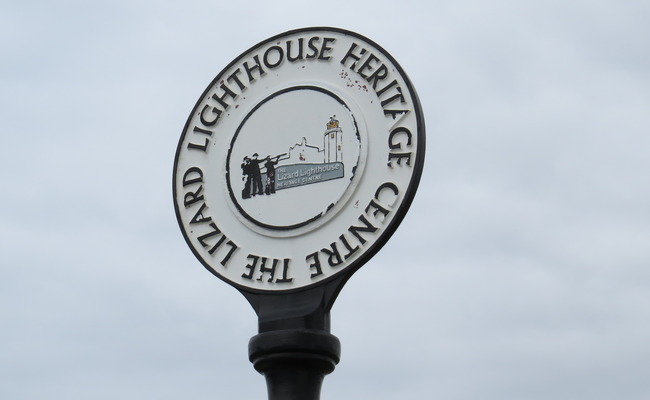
[[400, 212]]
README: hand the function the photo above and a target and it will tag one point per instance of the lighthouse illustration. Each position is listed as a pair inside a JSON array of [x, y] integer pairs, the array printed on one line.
[[332, 141], [301, 165]]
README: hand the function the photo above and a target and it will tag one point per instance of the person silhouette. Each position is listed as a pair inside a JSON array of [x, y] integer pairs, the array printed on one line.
[[247, 171], [256, 175], [270, 173]]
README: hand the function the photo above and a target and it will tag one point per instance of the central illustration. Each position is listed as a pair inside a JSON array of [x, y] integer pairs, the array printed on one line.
[[303, 163], [294, 160]]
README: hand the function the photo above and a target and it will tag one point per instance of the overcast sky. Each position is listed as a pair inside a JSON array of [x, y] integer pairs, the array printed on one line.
[[523, 265]]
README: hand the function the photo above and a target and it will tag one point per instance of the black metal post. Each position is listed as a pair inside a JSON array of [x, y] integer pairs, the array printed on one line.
[[294, 361], [294, 348]]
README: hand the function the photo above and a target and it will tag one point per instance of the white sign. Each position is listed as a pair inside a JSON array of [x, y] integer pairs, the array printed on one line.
[[299, 160]]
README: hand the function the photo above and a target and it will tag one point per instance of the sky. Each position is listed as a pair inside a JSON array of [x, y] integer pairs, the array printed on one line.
[[522, 271]]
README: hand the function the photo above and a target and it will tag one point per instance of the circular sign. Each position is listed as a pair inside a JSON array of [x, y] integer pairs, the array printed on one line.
[[299, 160]]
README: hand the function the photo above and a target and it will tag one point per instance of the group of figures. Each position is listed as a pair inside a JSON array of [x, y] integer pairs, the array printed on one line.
[[254, 185]]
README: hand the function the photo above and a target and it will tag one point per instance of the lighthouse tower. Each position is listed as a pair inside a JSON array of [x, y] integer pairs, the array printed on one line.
[[333, 138]]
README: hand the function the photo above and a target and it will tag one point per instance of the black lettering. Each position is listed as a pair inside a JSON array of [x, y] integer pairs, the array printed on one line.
[[355, 57], [234, 77], [192, 170], [285, 272], [385, 88], [393, 113], [280, 52], [391, 99], [227, 93], [199, 218], [380, 73], [367, 228], [203, 131], [203, 147], [399, 157], [251, 267], [233, 247], [351, 250], [193, 197], [207, 122], [366, 65], [377, 209], [398, 146], [271, 270], [390, 186], [215, 231], [324, 49], [315, 265], [257, 66], [217, 245], [299, 56], [313, 47], [334, 257]]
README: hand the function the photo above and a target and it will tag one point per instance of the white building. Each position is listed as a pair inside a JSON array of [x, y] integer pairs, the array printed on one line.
[[331, 152], [305, 153], [332, 141]]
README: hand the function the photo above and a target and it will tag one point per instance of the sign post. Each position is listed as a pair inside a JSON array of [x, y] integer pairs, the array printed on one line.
[[295, 166]]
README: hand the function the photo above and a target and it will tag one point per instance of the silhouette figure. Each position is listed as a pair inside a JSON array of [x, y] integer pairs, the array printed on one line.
[[270, 173]]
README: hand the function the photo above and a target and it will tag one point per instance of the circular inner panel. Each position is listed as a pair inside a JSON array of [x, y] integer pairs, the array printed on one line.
[[293, 158]]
